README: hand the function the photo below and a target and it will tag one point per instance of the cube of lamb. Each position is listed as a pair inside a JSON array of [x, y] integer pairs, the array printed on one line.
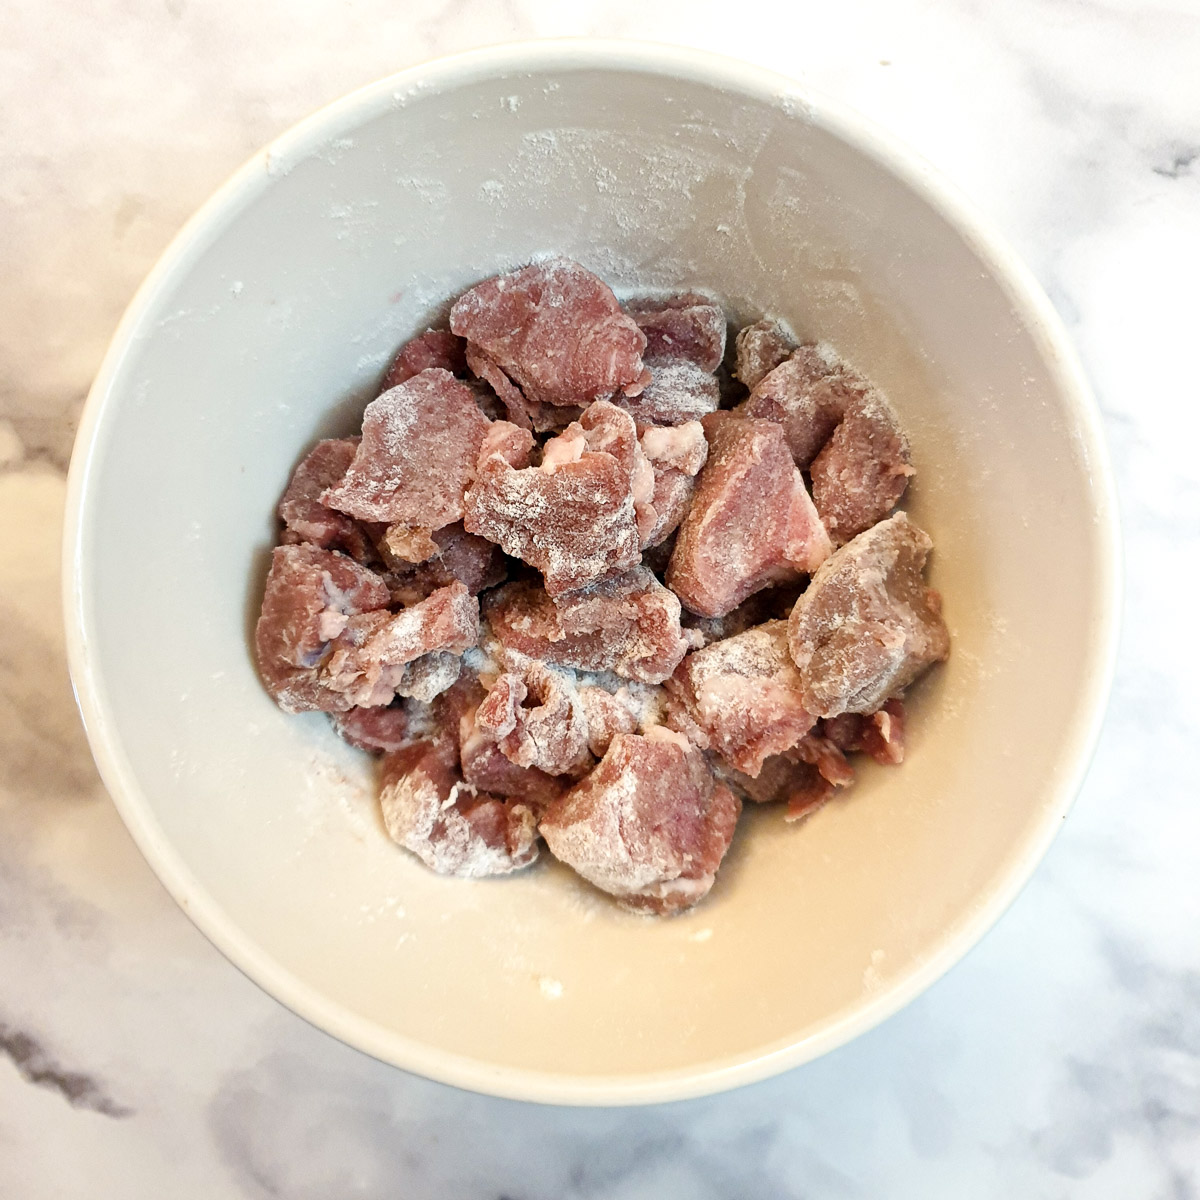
[[474, 561], [744, 693], [307, 519], [536, 719], [376, 730], [687, 326], [879, 734], [455, 830], [556, 331], [574, 517], [761, 347], [419, 450], [370, 660], [678, 391], [627, 624], [433, 348], [751, 522], [843, 431], [648, 825], [867, 625], [310, 597]]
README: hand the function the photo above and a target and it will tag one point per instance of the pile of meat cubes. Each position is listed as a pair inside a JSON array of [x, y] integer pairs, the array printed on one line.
[[585, 580]]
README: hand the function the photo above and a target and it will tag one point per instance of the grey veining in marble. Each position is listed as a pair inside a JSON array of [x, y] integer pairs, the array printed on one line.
[[1061, 1059]]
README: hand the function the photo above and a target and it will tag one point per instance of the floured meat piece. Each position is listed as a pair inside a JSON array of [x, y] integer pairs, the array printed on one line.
[[744, 693], [419, 451], [536, 719], [751, 522], [525, 414], [473, 561], [843, 431], [311, 596], [806, 396], [678, 391], [867, 625], [430, 675], [784, 777], [675, 455], [673, 492], [433, 348], [377, 730], [452, 828], [649, 825], [761, 347], [688, 326], [883, 734], [307, 519], [879, 734], [805, 777], [681, 448], [862, 471], [484, 766], [370, 660], [575, 516], [608, 714], [505, 444], [827, 757], [556, 331], [627, 624]]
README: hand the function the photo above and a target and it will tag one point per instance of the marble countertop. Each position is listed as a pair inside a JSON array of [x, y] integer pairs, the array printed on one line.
[[1062, 1058]]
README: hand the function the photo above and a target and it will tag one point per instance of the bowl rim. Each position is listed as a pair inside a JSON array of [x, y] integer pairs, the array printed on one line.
[[669, 62]]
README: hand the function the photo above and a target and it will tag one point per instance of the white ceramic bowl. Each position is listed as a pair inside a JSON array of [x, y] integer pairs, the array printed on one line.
[[266, 325]]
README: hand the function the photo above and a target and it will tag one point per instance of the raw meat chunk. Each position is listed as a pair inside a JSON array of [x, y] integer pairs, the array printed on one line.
[[474, 561], [429, 676], [627, 624], [842, 429], [678, 391], [428, 809], [509, 394], [607, 714], [806, 777], [370, 660], [306, 519], [526, 414], [744, 694], [378, 730], [648, 825], [867, 626], [673, 492], [505, 443], [556, 331], [761, 347], [486, 767], [310, 597], [751, 522], [537, 721], [419, 451], [681, 448], [688, 326], [574, 517], [826, 756], [783, 777], [807, 396], [433, 348], [883, 734], [879, 734], [862, 471]]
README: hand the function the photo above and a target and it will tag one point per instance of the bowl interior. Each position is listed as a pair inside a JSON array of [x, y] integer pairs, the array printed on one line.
[[268, 326]]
